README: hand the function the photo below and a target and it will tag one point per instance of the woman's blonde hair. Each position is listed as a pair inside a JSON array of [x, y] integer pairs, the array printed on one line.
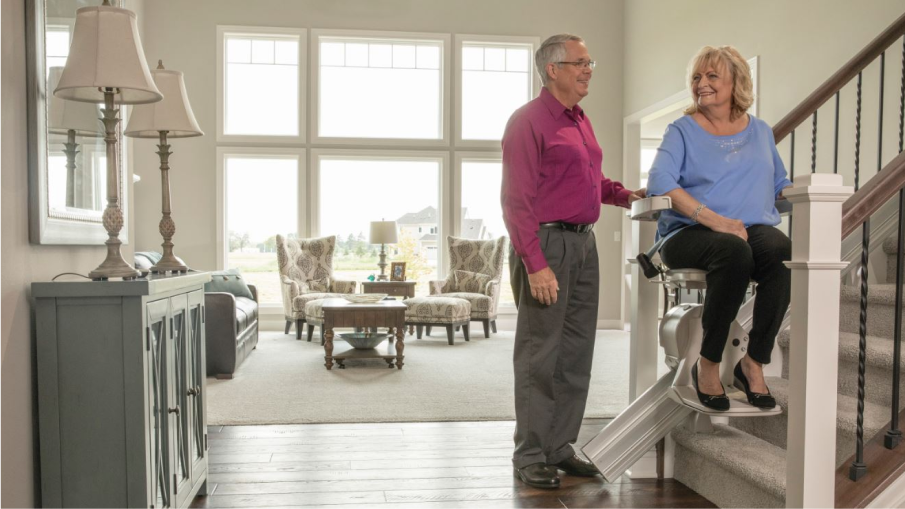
[[724, 58]]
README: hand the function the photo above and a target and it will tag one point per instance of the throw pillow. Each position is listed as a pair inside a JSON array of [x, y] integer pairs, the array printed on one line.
[[321, 285], [229, 281], [471, 282]]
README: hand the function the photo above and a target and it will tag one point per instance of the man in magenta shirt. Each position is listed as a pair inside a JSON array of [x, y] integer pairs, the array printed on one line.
[[553, 186]]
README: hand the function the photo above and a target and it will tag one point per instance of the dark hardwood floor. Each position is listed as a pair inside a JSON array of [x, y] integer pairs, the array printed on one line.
[[383, 465]]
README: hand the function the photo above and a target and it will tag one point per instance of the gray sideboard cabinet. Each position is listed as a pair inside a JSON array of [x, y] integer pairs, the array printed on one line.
[[121, 392]]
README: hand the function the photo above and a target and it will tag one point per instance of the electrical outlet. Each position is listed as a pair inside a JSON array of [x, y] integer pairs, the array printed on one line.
[[617, 236]]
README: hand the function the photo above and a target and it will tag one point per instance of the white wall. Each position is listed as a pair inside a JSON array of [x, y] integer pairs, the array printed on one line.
[[23, 263], [183, 35]]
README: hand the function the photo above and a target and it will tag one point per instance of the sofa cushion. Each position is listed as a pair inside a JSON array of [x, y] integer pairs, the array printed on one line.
[[144, 260], [246, 313], [229, 281]]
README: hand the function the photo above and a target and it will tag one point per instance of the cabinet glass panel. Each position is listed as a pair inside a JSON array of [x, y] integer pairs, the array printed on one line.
[[157, 382], [181, 385], [196, 372]]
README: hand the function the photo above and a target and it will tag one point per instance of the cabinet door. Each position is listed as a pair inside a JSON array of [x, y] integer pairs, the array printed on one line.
[[196, 373], [179, 399], [157, 338]]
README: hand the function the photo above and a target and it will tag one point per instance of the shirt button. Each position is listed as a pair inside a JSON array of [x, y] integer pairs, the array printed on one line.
[[584, 142], [574, 123]]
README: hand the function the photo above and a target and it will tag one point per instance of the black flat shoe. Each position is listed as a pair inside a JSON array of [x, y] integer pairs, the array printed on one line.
[[719, 402], [577, 466], [756, 399], [538, 475]]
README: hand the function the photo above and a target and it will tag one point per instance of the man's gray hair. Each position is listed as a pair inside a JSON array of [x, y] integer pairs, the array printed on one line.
[[551, 51]]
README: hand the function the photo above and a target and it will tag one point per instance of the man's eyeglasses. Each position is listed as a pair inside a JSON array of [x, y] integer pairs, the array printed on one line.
[[581, 64]]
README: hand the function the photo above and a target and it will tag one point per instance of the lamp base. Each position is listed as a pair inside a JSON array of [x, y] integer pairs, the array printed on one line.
[[382, 263], [173, 264], [114, 265]]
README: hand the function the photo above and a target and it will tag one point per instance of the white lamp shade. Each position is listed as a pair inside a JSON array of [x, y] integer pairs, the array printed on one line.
[[63, 115], [172, 114], [383, 232], [106, 52]]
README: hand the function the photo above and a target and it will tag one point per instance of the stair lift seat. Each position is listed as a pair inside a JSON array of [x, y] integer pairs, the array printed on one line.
[[673, 399]]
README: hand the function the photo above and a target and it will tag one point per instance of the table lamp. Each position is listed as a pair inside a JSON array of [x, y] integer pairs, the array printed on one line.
[[172, 117], [383, 232], [106, 64], [71, 119]]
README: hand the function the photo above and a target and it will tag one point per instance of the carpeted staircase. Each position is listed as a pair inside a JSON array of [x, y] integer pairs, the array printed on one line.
[[743, 464]]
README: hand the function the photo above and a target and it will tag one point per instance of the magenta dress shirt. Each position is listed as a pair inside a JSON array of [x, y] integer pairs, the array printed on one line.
[[551, 172]]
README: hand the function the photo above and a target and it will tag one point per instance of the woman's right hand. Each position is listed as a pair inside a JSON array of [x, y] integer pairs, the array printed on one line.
[[732, 226]]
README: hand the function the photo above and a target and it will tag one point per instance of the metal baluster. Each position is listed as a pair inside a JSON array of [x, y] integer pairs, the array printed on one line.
[[858, 468], [836, 139], [814, 144], [894, 435]]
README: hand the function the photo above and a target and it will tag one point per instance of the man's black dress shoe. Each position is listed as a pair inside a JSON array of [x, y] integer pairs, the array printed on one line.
[[719, 402], [755, 398], [577, 466], [538, 475]]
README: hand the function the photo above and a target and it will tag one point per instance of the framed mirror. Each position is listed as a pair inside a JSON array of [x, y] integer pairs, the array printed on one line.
[[66, 148]]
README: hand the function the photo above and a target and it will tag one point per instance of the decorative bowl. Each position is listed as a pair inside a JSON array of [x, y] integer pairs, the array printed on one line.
[[364, 340], [364, 298]]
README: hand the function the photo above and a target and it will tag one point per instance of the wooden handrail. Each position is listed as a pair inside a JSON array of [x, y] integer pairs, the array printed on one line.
[[838, 80], [878, 190]]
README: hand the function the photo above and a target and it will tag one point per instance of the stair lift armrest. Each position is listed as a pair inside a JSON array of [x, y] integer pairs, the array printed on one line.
[[648, 209]]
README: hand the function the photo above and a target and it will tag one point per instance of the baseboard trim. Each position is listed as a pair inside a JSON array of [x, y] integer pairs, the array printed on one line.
[[613, 324]]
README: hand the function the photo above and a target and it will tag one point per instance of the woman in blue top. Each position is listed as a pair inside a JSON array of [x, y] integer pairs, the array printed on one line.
[[721, 169]]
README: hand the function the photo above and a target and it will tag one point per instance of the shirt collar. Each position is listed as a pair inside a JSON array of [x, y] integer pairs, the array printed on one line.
[[556, 108]]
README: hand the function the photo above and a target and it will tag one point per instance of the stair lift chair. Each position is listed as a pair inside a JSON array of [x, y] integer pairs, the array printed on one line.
[[673, 399]]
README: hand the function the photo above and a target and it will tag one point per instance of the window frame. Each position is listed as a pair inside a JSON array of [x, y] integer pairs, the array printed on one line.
[[499, 40], [222, 235], [476, 156], [443, 199], [255, 139], [369, 35]]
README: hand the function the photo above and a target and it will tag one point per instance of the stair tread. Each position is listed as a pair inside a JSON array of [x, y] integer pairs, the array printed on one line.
[[764, 465], [875, 416], [879, 349], [891, 245]]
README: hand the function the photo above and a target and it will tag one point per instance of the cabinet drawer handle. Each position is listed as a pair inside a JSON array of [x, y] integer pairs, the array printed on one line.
[[174, 410]]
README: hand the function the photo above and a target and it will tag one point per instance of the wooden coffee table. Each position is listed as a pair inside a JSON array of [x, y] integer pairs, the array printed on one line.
[[386, 313]]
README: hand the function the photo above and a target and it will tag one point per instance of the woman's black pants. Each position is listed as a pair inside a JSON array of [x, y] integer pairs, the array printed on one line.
[[731, 263]]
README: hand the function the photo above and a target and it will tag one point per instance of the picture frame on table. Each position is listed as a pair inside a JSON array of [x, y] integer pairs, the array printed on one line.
[[397, 271]]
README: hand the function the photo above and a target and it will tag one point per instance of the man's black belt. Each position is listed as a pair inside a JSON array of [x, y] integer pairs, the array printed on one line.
[[569, 227]]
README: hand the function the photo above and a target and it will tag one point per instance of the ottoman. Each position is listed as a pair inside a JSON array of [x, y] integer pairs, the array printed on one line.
[[314, 315], [446, 312]]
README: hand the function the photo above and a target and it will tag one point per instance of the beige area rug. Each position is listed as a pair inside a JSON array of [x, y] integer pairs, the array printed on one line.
[[284, 382]]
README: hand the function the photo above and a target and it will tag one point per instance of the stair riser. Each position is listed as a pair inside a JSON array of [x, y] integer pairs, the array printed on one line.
[[878, 381], [723, 488], [775, 429], [880, 319]]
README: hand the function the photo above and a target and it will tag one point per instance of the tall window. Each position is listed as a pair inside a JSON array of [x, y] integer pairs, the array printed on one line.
[[57, 40], [405, 190], [481, 216], [497, 77], [262, 84], [380, 87], [262, 200]]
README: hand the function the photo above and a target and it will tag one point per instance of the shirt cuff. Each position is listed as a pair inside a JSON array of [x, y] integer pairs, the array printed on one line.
[[534, 263], [622, 197]]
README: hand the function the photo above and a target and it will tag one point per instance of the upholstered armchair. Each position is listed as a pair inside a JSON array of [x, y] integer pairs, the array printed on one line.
[[306, 274], [475, 271]]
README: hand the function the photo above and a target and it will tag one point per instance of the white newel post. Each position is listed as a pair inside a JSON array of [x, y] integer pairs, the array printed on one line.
[[814, 351]]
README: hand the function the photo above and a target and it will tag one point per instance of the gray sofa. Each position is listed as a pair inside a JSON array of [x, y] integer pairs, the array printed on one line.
[[230, 324]]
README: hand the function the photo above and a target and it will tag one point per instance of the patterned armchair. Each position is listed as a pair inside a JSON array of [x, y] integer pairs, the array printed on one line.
[[475, 270], [306, 274]]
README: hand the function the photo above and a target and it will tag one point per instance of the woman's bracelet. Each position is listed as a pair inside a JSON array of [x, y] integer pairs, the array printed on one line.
[[694, 215]]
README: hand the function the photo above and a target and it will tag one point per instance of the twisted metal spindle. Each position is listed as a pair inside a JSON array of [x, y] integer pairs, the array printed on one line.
[[814, 144], [858, 468], [893, 435]]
